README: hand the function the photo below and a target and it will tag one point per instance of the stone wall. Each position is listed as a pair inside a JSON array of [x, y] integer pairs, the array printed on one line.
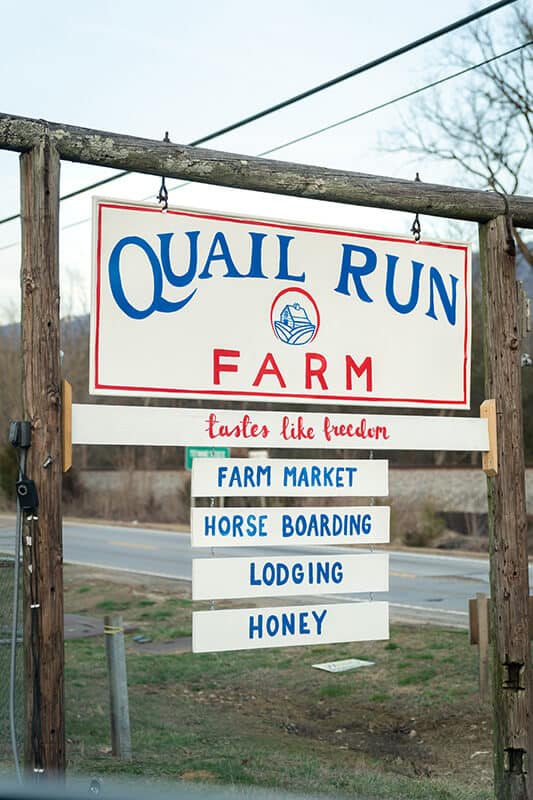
[[448, 490]]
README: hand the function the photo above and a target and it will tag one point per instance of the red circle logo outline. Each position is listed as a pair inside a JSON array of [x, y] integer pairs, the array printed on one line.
[[311, 300]]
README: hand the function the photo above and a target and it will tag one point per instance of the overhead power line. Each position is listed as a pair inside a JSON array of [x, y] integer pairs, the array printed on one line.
[[307, 93], [405, 96], [338, 123]]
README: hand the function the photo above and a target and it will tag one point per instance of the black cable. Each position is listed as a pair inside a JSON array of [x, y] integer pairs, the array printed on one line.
[[15, 622], [359, 70], [36, 725], [340, 122], [396, 99], [308, 93]]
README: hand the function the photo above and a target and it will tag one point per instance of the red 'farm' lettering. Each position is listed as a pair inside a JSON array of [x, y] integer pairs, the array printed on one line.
[[270, 374]]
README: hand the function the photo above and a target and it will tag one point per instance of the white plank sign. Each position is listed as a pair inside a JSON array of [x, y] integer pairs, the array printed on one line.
[[234, 477], [260, 527], [251, 628], [275, 310], [230, 578], [143, 425]]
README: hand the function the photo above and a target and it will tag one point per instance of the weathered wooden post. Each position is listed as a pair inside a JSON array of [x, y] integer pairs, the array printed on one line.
[[511, 662], [43, 558], [479, 634], [42, 143], [118, 686]]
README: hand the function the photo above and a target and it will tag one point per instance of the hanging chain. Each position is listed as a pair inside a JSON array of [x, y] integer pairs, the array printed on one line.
[[162, 197], [416, 228], [212, 604], [372, 503]]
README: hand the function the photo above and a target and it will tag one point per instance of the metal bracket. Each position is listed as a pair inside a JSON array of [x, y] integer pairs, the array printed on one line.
[[515, 760], [514, 674]]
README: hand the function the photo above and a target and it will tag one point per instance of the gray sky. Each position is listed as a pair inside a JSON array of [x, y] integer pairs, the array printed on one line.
[[143, 68]]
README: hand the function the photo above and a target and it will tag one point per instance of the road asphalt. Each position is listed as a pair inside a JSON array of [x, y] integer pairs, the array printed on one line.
[[424, 587]]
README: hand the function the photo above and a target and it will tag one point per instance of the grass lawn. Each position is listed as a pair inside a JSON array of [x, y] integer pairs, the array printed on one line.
[[412, 726]]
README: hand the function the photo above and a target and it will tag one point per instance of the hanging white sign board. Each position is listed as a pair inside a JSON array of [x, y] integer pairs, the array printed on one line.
[[251, 628], [235, 477], [264, 527], [145, 425], [230, 578], [202, 304]]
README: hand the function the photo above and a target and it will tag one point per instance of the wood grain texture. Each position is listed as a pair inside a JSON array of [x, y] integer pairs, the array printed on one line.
[[489, 459], [66, 425], [44, 646], [152, 157], [482, 603], [512, 689]]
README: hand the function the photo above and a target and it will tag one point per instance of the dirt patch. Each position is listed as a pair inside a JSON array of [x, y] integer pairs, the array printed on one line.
[[253, 715], [439, 743]]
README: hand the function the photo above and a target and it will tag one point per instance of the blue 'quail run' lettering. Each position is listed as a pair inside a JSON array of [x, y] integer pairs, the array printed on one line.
[[219, 258], [427, 286], [357, 272]]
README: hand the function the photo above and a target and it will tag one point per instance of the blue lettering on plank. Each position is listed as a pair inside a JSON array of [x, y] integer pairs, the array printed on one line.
[[286, 623], [315, 476], [235, 526], [244, 477], [314, 572], [321, 525]]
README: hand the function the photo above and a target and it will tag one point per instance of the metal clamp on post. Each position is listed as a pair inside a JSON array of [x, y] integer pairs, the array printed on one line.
[[20, 438]]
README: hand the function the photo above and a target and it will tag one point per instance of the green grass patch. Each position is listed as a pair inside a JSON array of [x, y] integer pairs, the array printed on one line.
[[405, 728], [157, 614], [379, 697], [415, 678], [335, 690], [109, 606]]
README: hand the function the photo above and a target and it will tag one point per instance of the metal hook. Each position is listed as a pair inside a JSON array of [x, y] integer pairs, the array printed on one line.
[[162, 197], [416, 228]]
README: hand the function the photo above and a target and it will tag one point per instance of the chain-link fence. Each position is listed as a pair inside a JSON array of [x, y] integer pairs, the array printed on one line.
[[7, 576]]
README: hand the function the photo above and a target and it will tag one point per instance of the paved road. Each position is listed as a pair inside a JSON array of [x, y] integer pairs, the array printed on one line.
[[422, 586]]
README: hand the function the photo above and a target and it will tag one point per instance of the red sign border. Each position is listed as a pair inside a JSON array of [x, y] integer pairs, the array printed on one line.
[[265, 396]]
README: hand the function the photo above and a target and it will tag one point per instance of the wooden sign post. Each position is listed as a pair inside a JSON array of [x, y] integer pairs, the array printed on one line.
[[41, 384], [509, 581], [42, 144]]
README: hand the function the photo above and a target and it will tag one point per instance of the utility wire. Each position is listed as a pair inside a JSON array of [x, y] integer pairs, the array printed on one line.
[[308, 93], [337, 124], [395, 99]]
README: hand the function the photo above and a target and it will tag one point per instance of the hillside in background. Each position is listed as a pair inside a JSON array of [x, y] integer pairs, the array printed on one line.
[[75, 367]]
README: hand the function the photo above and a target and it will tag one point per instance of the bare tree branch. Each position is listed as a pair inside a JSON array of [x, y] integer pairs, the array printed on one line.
[[485, 128]]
